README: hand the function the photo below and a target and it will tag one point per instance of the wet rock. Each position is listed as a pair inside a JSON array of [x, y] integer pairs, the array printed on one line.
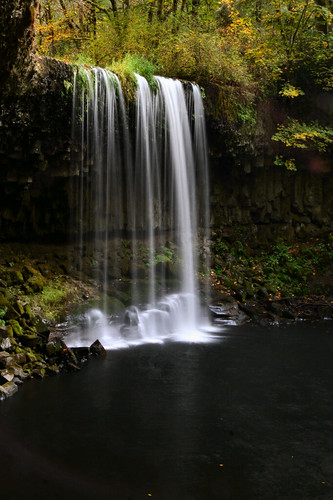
[[131, 317], [3, 332], [228, 313], [5, 358], [52, 369], [6, 375], [20, 358], [17, 381], [97, 349], [42, 328], [68, 359], [5, 343], [7, 390], [53, 348], [82, 353], [72, 366]]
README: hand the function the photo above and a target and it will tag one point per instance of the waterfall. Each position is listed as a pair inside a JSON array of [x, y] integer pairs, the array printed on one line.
[[139, 193]]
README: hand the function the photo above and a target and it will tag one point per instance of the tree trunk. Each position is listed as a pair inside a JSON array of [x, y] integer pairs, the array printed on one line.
[[258, 10], [174, 6], [17, 40], [159, 9], [195, 7], [114, 7]]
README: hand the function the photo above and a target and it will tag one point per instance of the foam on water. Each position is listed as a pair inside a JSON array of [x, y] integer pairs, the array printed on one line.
[[167, 321]]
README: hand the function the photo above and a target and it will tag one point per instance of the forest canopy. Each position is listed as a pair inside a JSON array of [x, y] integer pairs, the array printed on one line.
[[263, 44], [247, 49]]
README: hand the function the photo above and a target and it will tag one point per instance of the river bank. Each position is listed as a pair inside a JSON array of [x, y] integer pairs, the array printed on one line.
[[40, 288]]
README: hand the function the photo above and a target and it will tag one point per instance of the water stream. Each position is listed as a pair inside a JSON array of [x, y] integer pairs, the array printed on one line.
[[146, 188]]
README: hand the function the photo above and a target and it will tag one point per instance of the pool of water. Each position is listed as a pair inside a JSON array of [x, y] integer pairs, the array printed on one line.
[[249, 416]]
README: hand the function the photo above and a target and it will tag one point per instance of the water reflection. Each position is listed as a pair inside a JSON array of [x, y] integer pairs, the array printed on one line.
[[244, 419]]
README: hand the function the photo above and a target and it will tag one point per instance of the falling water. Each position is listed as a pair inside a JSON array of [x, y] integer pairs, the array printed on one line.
[[145, 189]]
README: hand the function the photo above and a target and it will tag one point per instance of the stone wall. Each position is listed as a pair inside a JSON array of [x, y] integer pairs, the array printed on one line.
[[268, 202]]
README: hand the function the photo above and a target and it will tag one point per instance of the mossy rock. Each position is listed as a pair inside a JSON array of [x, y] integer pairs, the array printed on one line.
[[250, 289], [19, 307], [27, 367], [26, 289], [114, 306], [53, 348], [52, 369], [31, 356], [123, 297], [3, 302], [29, 272], [14, 277], [12, 313], [4, 292], [28, 314], [16, 327], [36, 283], [10, 331]]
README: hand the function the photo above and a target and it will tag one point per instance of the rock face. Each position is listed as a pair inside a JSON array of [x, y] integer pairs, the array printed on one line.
[[269, 202], [35, 137], [35, 155]]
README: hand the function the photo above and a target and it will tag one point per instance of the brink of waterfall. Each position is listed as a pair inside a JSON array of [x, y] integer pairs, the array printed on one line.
[[140, 206]]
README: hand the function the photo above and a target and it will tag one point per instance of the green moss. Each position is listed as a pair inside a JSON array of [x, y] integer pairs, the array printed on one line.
[[16, 327]]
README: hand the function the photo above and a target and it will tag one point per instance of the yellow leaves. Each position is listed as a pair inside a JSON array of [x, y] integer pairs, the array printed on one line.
[[290, 91], [290, 164], [53, 33]]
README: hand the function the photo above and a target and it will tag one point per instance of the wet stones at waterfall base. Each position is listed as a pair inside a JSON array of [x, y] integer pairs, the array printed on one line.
[[19, 363], [228, 312], [271, 312], [46, 356]]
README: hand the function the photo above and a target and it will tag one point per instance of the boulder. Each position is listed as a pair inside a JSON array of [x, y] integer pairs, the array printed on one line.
[[7, 390], [97, 349], [5, 358], [228, 313], [5, 343]]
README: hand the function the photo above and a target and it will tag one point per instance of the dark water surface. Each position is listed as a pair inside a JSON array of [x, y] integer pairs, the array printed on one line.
[[249, 417]]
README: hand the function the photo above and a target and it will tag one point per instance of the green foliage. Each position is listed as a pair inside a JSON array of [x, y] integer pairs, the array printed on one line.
[[299, 135], [132, 64], [245, 49], [166, 255], [281, 270], [288, 163]]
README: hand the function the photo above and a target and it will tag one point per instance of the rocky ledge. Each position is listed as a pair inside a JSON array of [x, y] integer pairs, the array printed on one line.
[[20, 361], [271, 312], [35, 292]]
